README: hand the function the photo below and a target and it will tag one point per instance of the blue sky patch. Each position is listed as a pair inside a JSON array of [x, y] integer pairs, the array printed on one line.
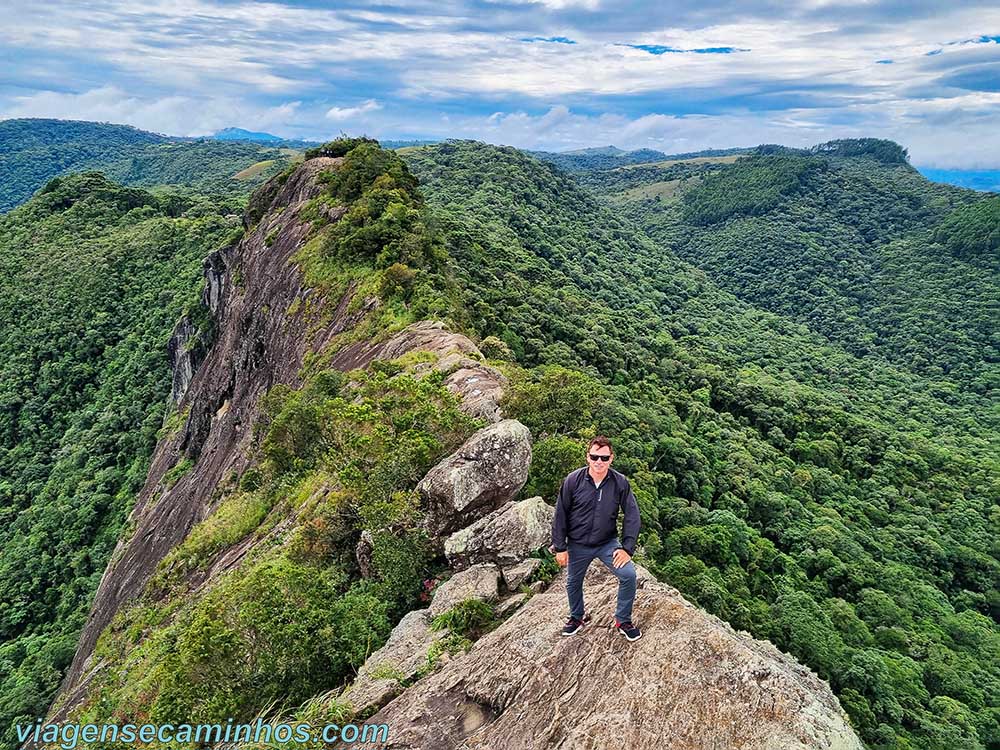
[[552, 39], [660, 49], [411, 69]]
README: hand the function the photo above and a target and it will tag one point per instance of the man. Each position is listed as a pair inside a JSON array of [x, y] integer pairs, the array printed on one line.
[[585, 527]]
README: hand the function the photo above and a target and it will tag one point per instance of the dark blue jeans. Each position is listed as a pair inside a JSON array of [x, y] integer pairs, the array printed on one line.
[[580, 557]]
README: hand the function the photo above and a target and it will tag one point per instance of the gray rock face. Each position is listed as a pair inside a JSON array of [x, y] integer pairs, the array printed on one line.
[[510, 604], [505, 536], [479, 386], [690, 683], [399, 660], [184, 359], [478, 582], [213, 295], [515, 575], [363, 553], [487, 471]]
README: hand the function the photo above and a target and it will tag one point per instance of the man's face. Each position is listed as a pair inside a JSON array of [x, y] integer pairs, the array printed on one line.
[[599, 458]]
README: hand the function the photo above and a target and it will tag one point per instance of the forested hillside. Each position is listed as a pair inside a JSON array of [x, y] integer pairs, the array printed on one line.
[[801, 472], [33, 150], [842, 508], [590, 159], [859, 248], [93, 277]]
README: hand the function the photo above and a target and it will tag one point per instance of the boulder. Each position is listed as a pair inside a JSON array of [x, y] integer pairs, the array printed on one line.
[[515, 575], [487, 471], [478, 582], [506, 536], [479, 389], [510, 604], [400, 660], [690, 683]]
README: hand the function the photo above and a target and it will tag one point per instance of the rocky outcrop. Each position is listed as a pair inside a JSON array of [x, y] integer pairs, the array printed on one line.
[[488, 470], [516, 575], [427, 335], [479, 386], [255, 346], [260, 332], [184, 356], [401, 659], [506, 536], [480, 582], [363, 552], [690, 683]]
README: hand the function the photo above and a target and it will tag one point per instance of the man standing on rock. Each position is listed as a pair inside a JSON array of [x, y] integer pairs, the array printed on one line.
[[585, 526]]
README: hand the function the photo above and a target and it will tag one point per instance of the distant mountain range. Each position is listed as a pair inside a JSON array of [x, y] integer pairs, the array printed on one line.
[[239, 134], [611, 157], [235, 160]]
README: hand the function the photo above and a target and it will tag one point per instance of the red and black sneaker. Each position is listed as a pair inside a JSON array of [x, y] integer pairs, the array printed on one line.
[[572, 626], [630, 631]]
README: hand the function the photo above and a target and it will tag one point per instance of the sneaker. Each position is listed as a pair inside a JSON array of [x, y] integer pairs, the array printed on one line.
[[630, 631], [572, 626]]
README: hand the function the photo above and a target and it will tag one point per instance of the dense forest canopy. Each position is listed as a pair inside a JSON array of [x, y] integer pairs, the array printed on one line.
[[794, 351], [786, 485], [862, 250], [32, 151], [93, 277]]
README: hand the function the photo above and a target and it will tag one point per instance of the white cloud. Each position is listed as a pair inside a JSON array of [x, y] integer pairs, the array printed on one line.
[[350, 113], [172, 115], [192, 66]]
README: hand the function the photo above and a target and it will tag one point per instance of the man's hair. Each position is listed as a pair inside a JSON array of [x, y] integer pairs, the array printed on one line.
[[600, 441]]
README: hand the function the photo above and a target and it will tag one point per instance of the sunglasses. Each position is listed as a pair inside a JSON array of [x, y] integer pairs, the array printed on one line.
[[595, 457]]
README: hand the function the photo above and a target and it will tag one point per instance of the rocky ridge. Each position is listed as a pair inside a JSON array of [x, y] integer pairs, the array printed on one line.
[[691, 682], [260, 335]]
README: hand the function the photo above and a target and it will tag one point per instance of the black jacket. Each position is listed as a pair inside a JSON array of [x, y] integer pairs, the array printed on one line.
[[588, 515]]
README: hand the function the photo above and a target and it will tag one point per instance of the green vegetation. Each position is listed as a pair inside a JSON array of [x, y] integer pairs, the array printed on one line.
[[470, 619], [840, 507], [177, 471], [973, 232], [340, 455], [33, 151], [750, 187], [217, 167], [381, 247], [822, 473], [92, 278], [873, 257]]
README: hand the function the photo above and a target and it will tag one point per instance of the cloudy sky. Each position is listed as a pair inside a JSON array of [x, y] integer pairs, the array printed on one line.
[[553, 74]]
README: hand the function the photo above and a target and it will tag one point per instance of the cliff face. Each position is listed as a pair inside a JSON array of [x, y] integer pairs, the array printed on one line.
[[258, 341]]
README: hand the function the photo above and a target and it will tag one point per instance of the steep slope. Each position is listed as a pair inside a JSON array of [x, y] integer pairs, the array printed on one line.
[[264, 321], [92, 278], [237, 587]]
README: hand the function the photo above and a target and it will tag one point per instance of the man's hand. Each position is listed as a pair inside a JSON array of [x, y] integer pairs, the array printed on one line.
[[562, 558], [621, 557]]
